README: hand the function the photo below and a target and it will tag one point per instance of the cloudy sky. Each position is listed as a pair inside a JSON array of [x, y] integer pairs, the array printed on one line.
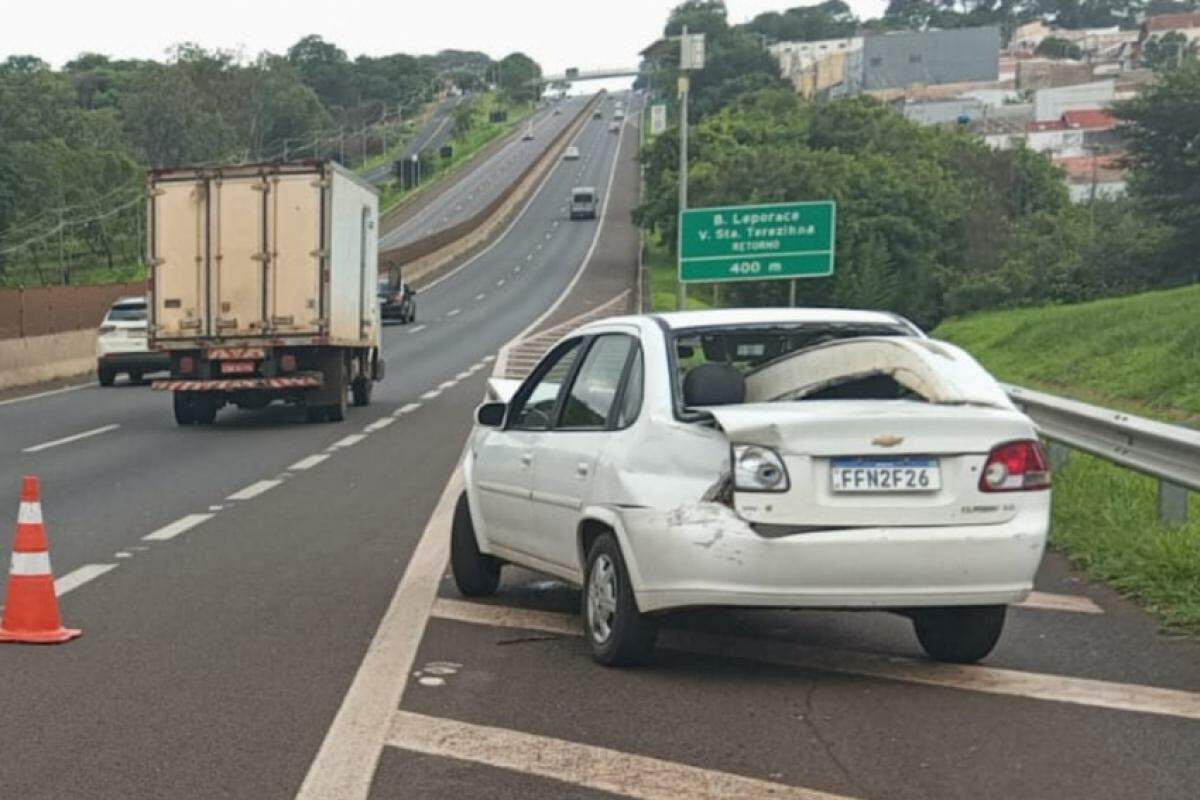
[[557, 33]]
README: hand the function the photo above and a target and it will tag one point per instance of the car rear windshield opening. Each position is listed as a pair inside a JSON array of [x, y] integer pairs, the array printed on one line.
[[127, 312], [583, 197]]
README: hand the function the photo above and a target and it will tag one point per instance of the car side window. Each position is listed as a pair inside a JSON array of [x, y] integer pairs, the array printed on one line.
[[594, 390], [535, 403], [631, 400]]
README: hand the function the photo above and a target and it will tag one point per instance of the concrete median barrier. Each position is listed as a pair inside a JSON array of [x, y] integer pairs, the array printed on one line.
[[34, 359]]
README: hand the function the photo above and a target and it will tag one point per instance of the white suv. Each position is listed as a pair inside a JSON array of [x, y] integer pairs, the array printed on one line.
[[121, 344]]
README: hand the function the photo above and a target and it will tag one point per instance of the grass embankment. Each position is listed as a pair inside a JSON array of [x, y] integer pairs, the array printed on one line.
[[661, 267], [1140, 354], [479, 135]]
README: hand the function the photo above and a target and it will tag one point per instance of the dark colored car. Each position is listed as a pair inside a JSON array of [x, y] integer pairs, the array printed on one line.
[[397, 301]]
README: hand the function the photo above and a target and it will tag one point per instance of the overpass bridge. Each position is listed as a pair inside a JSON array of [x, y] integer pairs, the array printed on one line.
[[575, 75]]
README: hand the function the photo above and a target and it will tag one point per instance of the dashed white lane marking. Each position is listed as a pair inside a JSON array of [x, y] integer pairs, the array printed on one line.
[[583, 765], [454, 313], [215, 508], [309, 462], [1060, 602], [516, 269], [501, 282], [177, 527], [78, 577], [418, 329], [37, 448], [538, 247], [480, 296], [405, 409], [348, 441], [466, 373], [254, 490], [379, 424], [444, 385], [432, 393], [49, 393], [529, 257], [989, 680], [555, 223], [345, 764], [547, 236], [488, 359]]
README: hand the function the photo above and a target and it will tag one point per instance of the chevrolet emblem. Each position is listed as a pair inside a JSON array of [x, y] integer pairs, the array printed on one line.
[[887, 440]]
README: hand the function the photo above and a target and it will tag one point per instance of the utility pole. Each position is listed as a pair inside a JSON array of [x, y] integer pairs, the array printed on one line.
[[285, 149], [342, 146], [681, 287]]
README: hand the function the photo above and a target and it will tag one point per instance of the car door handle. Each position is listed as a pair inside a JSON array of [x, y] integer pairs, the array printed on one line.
[[581, 469], [526, 459]]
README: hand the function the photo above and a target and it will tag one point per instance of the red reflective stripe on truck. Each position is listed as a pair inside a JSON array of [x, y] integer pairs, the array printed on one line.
[[226, 385]]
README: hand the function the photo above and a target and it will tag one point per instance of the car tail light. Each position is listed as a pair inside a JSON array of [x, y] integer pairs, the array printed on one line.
[[187, 365], [287, 363], [1015, 467]]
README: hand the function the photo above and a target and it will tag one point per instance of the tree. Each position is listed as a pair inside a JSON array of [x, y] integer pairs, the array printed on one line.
[[518, 76], [325, 68], [1168, 51], [1055, 47], [709, 17], [831, 19], [1162, 134]]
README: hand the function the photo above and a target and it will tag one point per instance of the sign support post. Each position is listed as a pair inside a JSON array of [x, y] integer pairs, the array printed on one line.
[[684, 58]]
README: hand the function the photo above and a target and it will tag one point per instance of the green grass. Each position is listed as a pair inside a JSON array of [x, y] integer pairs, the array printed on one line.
[[1141, 354], [81, 275], [399, 136], [481, 133], [661, 267]]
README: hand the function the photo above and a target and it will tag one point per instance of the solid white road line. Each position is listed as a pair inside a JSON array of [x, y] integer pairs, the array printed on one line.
[[406, 408], [989, 680], [431, 394], [254, 490], [444, 385], [348, 441], [309, 462], [177, 527], [379, 424], [583, 765], [48, 393], [1046, 601], [345, 764], [466, 373], [68, 439], [417, 329], [78, 577]]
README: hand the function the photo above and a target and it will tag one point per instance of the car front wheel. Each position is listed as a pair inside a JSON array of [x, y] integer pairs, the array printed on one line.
[[958, 635], [476, 574], [618, 633]]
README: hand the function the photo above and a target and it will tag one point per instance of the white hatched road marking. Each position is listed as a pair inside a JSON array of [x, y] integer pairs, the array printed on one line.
[[255, 489], [309, 462], [68, 439], [177, 527], [347, 441], [379, 424], [78, 577], [582, 765], [989, 680]]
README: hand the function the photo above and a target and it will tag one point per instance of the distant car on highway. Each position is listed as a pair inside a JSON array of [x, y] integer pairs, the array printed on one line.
[[528, 137], [597, 114], [614, 127], [583, 203], [619, 114], [121, 345], [571, 153], [397, 301], [785, 458]]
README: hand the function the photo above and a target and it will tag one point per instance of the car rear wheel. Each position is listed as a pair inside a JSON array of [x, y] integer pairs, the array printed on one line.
[[958, 635], [106, 375], [475, 574], [619, 634]]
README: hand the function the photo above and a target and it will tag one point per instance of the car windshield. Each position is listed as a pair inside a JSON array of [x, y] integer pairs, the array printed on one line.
[[127, 312], [582, 197]]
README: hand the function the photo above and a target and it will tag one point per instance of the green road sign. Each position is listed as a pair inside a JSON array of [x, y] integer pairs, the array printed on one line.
[[754, 243]]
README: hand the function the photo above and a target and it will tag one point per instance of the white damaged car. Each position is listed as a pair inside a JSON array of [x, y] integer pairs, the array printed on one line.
[[784, 458]]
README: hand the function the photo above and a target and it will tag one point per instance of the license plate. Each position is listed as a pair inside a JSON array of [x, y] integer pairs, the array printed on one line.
[[911, 474], [237, 367]]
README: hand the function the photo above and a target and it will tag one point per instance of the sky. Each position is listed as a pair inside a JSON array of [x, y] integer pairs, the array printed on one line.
[[556, 33]]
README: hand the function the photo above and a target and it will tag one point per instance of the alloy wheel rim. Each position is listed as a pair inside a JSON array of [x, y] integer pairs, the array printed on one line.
[[602, 599]]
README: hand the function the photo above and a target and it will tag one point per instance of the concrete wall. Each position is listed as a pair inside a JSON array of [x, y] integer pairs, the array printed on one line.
[[1051, 104], [34, 359], [924, 57]]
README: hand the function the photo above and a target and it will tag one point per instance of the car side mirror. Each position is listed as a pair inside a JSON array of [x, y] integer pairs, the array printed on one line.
[[491, 415]]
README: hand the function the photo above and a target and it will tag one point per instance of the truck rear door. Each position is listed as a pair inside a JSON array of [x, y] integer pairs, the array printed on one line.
[[178, 250], [239, 269]]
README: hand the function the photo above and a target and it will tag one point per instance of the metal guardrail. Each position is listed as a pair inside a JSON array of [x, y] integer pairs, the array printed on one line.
[[1170, 453]]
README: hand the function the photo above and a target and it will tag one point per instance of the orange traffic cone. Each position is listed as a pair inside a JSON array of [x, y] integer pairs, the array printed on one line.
[[31, 605]]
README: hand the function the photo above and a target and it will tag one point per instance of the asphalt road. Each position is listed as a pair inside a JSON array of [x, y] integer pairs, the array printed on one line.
[[432, 134], [469, 193], [308, 631], [213, 659]]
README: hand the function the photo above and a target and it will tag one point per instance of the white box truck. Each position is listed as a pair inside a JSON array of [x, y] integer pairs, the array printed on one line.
[[263, 287]]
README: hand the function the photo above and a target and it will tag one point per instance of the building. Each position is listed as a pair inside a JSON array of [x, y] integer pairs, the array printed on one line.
[[1187, 24], [1093, 177], [1055, 139], [911, 58], [1096, 44], [1047, 73], [815, 68], [1050, 104]]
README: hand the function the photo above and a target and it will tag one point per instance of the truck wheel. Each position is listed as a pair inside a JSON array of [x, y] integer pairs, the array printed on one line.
[[205, 409], [619, 634], [314, 414], [337, 411], [475, 574], [958, 635], [135, 377], [106, 375], [361, 389], [184, 411]]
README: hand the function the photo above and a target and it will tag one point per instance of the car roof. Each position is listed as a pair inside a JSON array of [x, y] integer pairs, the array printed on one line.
[[122, 301], [721, 317], [591, 189]]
